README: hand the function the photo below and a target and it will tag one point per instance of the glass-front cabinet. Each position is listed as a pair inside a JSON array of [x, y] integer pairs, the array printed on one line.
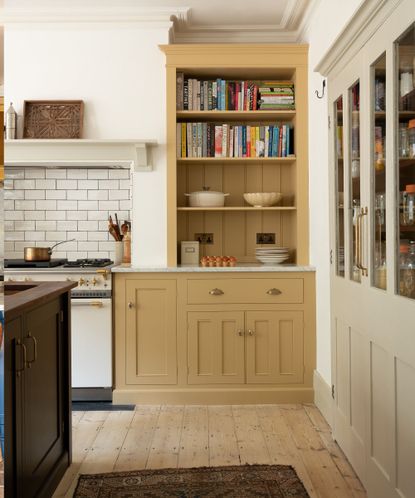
[[374, 170]]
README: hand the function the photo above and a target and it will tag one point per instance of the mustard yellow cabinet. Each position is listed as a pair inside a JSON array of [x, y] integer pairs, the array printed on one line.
[[151, 356], [216, 347], [274, 347]]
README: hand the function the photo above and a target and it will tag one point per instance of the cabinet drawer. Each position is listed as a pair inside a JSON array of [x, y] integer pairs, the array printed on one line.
[[245, 291]]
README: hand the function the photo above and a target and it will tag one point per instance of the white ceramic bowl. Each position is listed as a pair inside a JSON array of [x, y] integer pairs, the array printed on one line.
[[263, 199]]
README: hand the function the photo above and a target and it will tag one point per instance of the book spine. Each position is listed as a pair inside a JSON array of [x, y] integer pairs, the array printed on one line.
[[199, 139], [231, 140], [205, 96], [183, 137], [248, 141], [253, 144], [190, 94], [223, 95], [291, 149], [214, 96], [261, 141], [208, 139], [255, 98], [284, 141], [257, 147], [197, 108], [266, 152], [218, 141], [218, 95], [179, 91], [224, 140], [280, 143], [210, 96], [212, 140], [189, 140], [202, 96], [204, 140], [186, 95], [178, 139], [194, 140]]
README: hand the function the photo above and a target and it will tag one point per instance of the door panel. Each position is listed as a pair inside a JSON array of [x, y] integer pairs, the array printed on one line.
[[274, 348], [151, 332], [216, 347]]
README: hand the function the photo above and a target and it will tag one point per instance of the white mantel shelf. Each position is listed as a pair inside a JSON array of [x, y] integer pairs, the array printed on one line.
[[118, 153]]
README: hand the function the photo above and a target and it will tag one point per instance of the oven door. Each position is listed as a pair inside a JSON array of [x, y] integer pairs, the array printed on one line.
[[91, 348]]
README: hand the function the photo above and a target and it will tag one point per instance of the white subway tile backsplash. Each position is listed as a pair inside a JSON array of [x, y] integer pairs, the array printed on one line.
[[59, 254], [56, 173], [96, 195], [118, 173], [66, 184], [24, 184], [87, 225], [77, 174], [45, 225], [87, 184], [37, 173], [88, 205], [14, 194], [46, 205], [13, 215], [76, 215], [24, 225], [119, 195], [67, 205], [55, 194], [76, 195], [24, 205], [34, 215], [67, 225], [45, 184], [109, 205], [56, 236], [97, 174], [34, 236], [55, 215], [33, 194]]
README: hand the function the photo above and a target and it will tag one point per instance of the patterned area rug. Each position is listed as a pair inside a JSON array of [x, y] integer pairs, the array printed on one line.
[[246, 481]]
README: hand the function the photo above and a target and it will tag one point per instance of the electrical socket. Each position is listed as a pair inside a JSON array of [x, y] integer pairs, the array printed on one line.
[[204, 238], [265, 238]]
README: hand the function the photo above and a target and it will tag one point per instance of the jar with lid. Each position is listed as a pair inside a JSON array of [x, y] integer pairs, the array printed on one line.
[[411, 138], [403, 141], [409, 272], [408, 208]]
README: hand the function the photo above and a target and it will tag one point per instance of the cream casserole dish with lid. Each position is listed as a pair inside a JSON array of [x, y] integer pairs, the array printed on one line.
[[206, 198]]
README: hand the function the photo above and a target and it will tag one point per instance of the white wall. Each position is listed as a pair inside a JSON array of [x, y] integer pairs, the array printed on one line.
[[329, 18], [119, 73]]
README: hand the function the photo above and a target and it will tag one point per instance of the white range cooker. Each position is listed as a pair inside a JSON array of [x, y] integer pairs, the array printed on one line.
[[91, 318]]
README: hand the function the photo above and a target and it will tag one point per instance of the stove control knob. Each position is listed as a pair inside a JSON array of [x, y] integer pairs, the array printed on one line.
[[81, 282], [94, 281]]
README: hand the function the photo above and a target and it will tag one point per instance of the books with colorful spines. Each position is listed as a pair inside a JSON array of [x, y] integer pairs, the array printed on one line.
[[179, 91], [218, 141]]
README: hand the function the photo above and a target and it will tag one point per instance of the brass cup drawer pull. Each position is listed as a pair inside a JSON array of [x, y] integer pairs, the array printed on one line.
[[241, 332], [216, 292], [251, 332], [33, 339], [274, 292], [130, 305]]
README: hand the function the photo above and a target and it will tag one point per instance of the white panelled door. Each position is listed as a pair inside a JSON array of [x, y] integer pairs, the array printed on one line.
[[372, 168]]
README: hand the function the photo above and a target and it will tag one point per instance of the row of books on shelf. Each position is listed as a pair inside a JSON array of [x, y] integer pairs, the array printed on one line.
[[227, 140], [222, 95]]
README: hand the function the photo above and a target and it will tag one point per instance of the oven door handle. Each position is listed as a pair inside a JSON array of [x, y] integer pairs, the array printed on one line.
[[95, 304]]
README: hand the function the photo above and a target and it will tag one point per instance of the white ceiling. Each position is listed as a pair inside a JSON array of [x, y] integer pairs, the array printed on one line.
[[194, 20]]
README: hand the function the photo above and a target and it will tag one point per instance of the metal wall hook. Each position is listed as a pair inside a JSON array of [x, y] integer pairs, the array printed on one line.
[[322, 90]]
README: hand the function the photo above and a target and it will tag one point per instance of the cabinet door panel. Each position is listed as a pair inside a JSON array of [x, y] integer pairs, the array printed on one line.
[[151, 332], [274, 347], [43, 407], [216, 348]]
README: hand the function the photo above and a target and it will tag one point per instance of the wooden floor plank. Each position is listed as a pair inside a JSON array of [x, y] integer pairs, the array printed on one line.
[[76, 417], [223, 445], [323, 473], [194, 442], [250, 439], [107, 445], [135, 450], [281, 447], [164, 451]]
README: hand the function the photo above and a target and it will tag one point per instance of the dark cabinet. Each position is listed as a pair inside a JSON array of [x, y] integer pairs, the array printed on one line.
[[37, 398]]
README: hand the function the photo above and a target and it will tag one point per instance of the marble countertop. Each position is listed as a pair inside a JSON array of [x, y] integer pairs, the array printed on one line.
[[200, 269]]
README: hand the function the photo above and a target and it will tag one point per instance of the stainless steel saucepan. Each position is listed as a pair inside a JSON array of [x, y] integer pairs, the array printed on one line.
[[41, 253]]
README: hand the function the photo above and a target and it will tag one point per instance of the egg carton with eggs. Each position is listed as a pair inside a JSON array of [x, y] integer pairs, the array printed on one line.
[[218, 261]]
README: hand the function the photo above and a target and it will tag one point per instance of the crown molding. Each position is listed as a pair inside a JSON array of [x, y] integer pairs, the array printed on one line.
[[365, 22]]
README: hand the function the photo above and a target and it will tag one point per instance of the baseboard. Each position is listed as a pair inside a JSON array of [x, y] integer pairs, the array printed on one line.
[[322, 397]]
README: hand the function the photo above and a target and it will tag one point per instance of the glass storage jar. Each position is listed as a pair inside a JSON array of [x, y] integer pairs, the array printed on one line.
[[411, 138], [408, 207], [403, 141]]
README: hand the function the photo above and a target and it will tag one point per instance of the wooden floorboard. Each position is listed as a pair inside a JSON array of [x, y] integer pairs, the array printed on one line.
[[196, 436]]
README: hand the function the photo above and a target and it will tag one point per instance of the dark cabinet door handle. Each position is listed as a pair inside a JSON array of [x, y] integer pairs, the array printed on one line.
[[23, 347], [33, 339]]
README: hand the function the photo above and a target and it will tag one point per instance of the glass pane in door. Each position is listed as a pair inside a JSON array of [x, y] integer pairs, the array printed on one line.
[[338, 114], [354, 165], [405, 161], [378, 198]]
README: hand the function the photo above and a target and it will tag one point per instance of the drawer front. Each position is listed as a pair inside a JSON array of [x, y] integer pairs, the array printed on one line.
[[246, 291]]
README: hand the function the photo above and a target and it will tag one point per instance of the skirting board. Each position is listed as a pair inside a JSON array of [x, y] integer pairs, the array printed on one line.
[[213, 396], [322, 397]]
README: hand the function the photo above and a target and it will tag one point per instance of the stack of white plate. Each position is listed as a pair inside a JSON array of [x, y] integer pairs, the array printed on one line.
[[272, 255]]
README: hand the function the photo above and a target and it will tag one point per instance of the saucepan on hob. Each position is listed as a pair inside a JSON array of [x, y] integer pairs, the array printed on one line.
[[41, 253]]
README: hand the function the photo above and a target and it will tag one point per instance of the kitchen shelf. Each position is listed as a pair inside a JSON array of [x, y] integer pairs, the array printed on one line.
[[236, 160], [238, 208], [237, 115]]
